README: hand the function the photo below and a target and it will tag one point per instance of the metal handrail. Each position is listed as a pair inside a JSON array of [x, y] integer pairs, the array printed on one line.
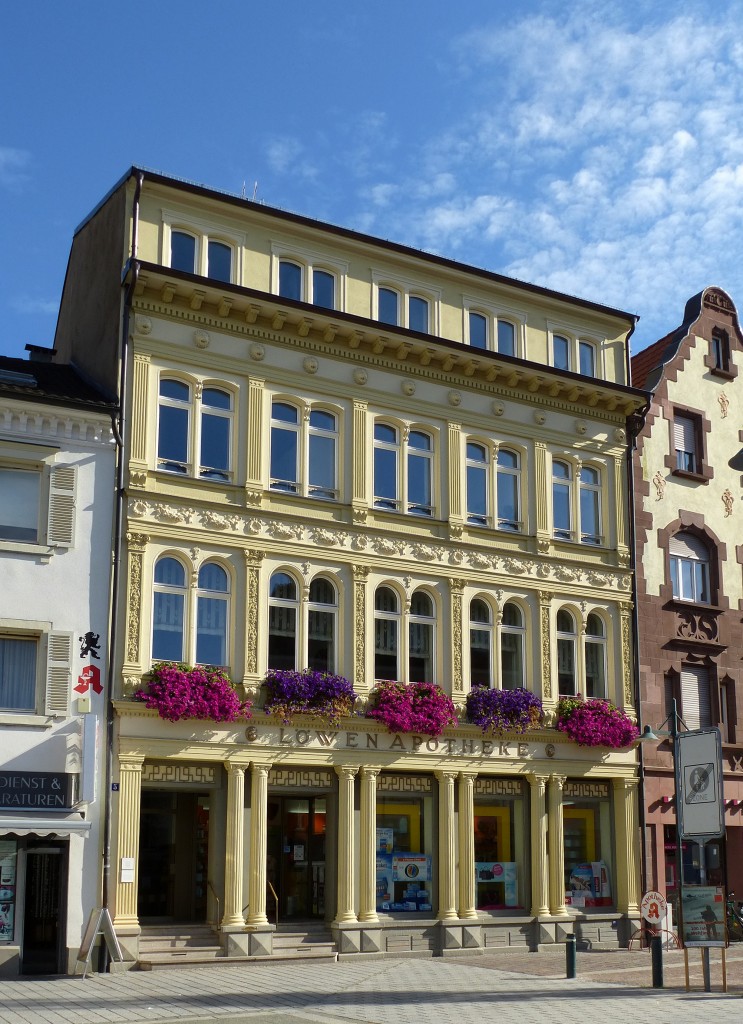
[[216, 899], [276, 902]]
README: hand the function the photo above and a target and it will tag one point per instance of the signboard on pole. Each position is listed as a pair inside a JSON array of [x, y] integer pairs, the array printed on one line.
[[703, 915], [654, 908], [698, 758]]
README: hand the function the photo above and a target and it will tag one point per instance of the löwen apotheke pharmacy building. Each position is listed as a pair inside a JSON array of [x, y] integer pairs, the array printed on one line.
[[346, 455], [399, 842]]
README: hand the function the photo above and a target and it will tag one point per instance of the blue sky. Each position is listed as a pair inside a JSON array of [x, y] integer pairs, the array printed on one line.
[[595, 148]]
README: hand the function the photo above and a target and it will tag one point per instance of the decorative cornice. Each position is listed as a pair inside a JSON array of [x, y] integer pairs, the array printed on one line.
[[28, 422]]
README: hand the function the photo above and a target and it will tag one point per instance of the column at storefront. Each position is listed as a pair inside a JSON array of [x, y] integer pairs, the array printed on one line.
[[258, 843], [130, 794], [368, 858], [467, 845], [345, 912], [556, 846], [626, 830], [233, 870], [447, 847], [539, 880]]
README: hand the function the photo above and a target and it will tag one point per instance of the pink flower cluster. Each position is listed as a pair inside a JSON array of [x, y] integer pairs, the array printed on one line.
[[595, 723], [411, 707], [178, 691]]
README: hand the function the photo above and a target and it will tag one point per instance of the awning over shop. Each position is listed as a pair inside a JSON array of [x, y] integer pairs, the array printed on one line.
[[31, 826]]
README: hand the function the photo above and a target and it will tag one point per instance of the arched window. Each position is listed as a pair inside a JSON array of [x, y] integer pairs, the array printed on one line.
[[590, 505], [508, 488], [323, 289], [304, 451], [168, 615], [388, 306], [506, 338], [174, 426], [562, 513], [386, 634], [321, 625], [478, 330], [481, 644], [512, 647], [183, 252], [283, 606], [420, 474], [478, 484], [284, 447], [290, 280], [595, 652], [560, 352], [386, 467], [566, 654], [212, 607], [689, 561], [587, 358], [180, 433], [220, 261], [421, 638], [322, 443], [418, 316]]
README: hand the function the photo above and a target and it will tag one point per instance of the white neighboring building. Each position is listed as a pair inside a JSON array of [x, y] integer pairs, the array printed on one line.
[[56, 508]]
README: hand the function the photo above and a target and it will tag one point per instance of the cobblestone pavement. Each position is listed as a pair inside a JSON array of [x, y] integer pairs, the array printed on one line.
[[503, 987]]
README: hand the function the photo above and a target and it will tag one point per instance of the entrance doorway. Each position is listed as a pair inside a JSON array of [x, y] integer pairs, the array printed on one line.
[[296, 855], [173, 856], [46, 874]]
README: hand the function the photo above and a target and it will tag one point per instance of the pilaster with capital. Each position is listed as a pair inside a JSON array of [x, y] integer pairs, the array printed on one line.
[[127, 843], [539, 879], [346, 910], [368, 852], [556, 833], [447, 847], [233, 869], [359, 496], [360, 575], [467, 899], [625, 618], [138, 421], [252, 599], [545, 644], [456, 588], [254, 448], [136, 544], [620, 503], [455, 473], [541, 491], [627, 832], [258, 844]]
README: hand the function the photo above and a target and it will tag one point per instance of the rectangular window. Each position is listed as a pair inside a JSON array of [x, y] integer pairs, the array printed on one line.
[[506, 338], [560, 352], [695, 697], [418, 314], [501, 846], [685, 443], [478, 330], [18, 657], [19, 505], [389, 303], [404, 844], [220, 261], [587, 839], [587, 358]]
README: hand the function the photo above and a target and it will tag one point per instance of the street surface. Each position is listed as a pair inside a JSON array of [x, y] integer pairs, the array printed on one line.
[[502, 987]]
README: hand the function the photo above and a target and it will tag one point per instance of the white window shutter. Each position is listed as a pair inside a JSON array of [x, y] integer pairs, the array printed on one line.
[[684, 434], [58, 658], [62, 484], [695, 697]]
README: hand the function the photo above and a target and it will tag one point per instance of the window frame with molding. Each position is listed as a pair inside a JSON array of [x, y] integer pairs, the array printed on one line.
[[494, 315], [309, 261], [401, 502], [196, 410], [493, 473], [575, 341], [406, 620], [576, 489], [56, 497], [203, 231], [52, 672], [406, 288], [305, 431]]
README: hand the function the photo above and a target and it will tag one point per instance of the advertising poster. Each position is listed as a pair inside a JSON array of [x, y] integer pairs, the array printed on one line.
[[385, 840], [384, 881], [703, 915], [8, 851], [589, 885], [498, 884], [411, 867]]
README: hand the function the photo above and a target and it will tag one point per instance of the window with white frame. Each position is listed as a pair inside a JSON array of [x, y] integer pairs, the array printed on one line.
[[685, 443], [188, 425], [487, 491], [481, 644], [512, 637], [594, 646], [394, 646], [567, 651], [304, 450], [576, 519], [175, 636], [561, 352], [587, 358], [690, 563], [568, 352], [405, 306], [305, 282], [492, 331], [37, 502], [201, 255], [297, 640], [403, 470], [35, 669]]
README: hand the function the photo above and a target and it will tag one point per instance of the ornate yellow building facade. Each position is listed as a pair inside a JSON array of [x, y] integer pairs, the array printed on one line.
[[343, 453]]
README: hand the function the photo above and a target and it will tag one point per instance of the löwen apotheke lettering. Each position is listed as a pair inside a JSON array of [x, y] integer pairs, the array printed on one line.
[[410, 743], [50, 790]]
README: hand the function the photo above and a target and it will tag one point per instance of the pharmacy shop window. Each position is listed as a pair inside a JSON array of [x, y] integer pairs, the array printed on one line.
[[404, 845]]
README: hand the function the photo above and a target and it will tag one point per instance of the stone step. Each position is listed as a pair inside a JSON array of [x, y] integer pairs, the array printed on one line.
[[158, 963]]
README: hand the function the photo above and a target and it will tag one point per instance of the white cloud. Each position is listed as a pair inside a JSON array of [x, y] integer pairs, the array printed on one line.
[[13, 166], [27, 304]]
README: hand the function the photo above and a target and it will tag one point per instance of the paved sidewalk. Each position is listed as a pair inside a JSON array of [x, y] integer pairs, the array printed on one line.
[[499, 987]]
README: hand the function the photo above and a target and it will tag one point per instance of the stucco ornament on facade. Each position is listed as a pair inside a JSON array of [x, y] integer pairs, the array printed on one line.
[[728, 501], [659, 482], [724, 402]]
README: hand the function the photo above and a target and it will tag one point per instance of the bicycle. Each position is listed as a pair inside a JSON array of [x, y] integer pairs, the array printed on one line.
[[734, 919]]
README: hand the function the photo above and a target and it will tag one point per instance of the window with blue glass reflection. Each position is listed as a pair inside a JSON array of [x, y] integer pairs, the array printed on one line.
[[506, 338], [323, 289], [212, 615], [560, 352], [168, 610], [418, 314], [587, 358], [220, 261], [508, 486], [173, 426], [290, 280], [284, 447], [386, 633], [216, 422], [282, 622], [420, 465], [478, 470], [478, 330], [590, 512], [561, 504], [386, 462], [322, 454], [389, 306], [183, 252]]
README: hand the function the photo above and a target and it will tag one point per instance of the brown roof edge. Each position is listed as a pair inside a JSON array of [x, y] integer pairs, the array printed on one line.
[[397, 247]]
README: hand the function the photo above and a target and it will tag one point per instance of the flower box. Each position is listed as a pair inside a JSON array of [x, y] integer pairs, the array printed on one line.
[[411, 707], [318, 694], [499, 711], [178, 691], [595, 723]]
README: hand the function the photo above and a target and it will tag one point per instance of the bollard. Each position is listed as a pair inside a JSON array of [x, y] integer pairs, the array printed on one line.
[[656, 951], [570, 948]]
